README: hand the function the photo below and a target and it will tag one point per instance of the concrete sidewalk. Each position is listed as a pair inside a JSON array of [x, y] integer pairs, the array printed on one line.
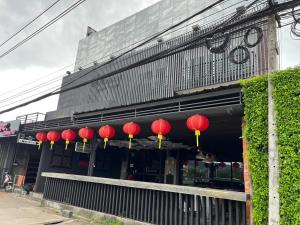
[[20, 211]]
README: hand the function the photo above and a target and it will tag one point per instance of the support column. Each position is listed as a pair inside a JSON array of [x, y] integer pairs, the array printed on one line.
[[273, 161], [247, 179], [43, 167], [94, 146]]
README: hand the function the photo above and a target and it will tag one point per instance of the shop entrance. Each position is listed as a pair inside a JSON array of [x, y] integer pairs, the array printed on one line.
[[26, 164], [147, 165]]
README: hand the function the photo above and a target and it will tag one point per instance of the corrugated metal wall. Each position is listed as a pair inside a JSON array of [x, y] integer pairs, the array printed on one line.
[[161, 79], [119, 36], [7, 152]]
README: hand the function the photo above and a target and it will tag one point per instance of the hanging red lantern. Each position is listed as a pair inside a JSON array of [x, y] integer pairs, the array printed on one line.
[[86, 134], [53, 136], [132, 129], [107, 132], [222, 165], [41, 137], [197, 123], [160, 127], [68, 135], [235, 165]]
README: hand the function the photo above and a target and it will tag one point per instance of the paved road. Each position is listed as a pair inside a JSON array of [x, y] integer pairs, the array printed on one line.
[[20, 211]]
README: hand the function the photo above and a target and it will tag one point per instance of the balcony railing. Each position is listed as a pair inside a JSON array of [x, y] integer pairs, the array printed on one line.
[[148, 202]]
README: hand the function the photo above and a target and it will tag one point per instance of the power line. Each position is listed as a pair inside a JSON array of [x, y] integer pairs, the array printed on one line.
[[65, 12], [148, 40], [141, 44], [190, 44], [158, 56], [30, 22], [35, 81]]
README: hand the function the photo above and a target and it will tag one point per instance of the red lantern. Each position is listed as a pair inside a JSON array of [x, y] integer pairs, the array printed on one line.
[[235, 165], [68, 135], [107, 132], [222, 165], [160, 127], [41, 137], [86, 134], [83, 164], [197, 123], [132, 129], [53, 136]]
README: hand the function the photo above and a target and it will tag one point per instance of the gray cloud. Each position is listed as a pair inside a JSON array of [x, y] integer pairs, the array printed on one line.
[[57, 45]]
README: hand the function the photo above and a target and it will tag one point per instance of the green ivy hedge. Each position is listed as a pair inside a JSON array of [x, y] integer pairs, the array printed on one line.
[[255, 96], [287, 106]]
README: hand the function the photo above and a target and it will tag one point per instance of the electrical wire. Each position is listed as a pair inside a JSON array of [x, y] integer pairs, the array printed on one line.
[[144, 42], [172, 31], [65, 12], [158, 56], [30, 22], [258, 15]]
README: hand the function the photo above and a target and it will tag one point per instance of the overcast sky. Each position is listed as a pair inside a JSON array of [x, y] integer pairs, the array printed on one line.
[[56, 47]]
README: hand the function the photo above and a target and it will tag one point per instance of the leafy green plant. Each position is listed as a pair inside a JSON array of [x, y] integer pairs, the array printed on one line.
[[286, 95], [255, 97], [105, 221], [287, 105]]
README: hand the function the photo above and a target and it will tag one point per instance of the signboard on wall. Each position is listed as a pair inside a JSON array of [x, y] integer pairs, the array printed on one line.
[[26, 139], [9, 129], [85, 150]]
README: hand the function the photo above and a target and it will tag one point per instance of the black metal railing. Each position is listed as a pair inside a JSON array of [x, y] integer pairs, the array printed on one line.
[[148, 202], [31, 118], [143, 110]]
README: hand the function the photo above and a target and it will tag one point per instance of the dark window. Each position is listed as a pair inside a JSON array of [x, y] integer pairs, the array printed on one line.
[[61, 158]]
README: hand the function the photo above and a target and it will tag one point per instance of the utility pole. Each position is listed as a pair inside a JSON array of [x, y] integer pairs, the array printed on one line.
[[272, 133]]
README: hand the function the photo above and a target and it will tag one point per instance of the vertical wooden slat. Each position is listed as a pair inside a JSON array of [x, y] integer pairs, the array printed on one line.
[[237, 213], [210, 211], [131, 202], [222, 204], [230, 214], [153, 205], [157, 208], [120, 203], [134, 203], [198, 208], [181, 209], [149, 208], [176, 202], [162, 207], [142, 204], [217, 214], [167, 206], [127, 202], [117, 200], [203, 210], [243, 213], [124, 203], [139, 205], [192, 213], [186, 209]]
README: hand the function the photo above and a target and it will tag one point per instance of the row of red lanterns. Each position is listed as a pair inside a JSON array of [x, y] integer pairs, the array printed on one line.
[[160, 127]]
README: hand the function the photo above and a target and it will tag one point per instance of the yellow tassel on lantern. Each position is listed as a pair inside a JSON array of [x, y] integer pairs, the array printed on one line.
[[51, 144], [105, 141], [67, 142], [84, 141], [130, 136], [197, 134], [39, 144], [160, 137]]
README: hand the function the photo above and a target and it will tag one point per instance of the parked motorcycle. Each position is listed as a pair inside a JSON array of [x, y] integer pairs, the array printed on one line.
[[8, 183]]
